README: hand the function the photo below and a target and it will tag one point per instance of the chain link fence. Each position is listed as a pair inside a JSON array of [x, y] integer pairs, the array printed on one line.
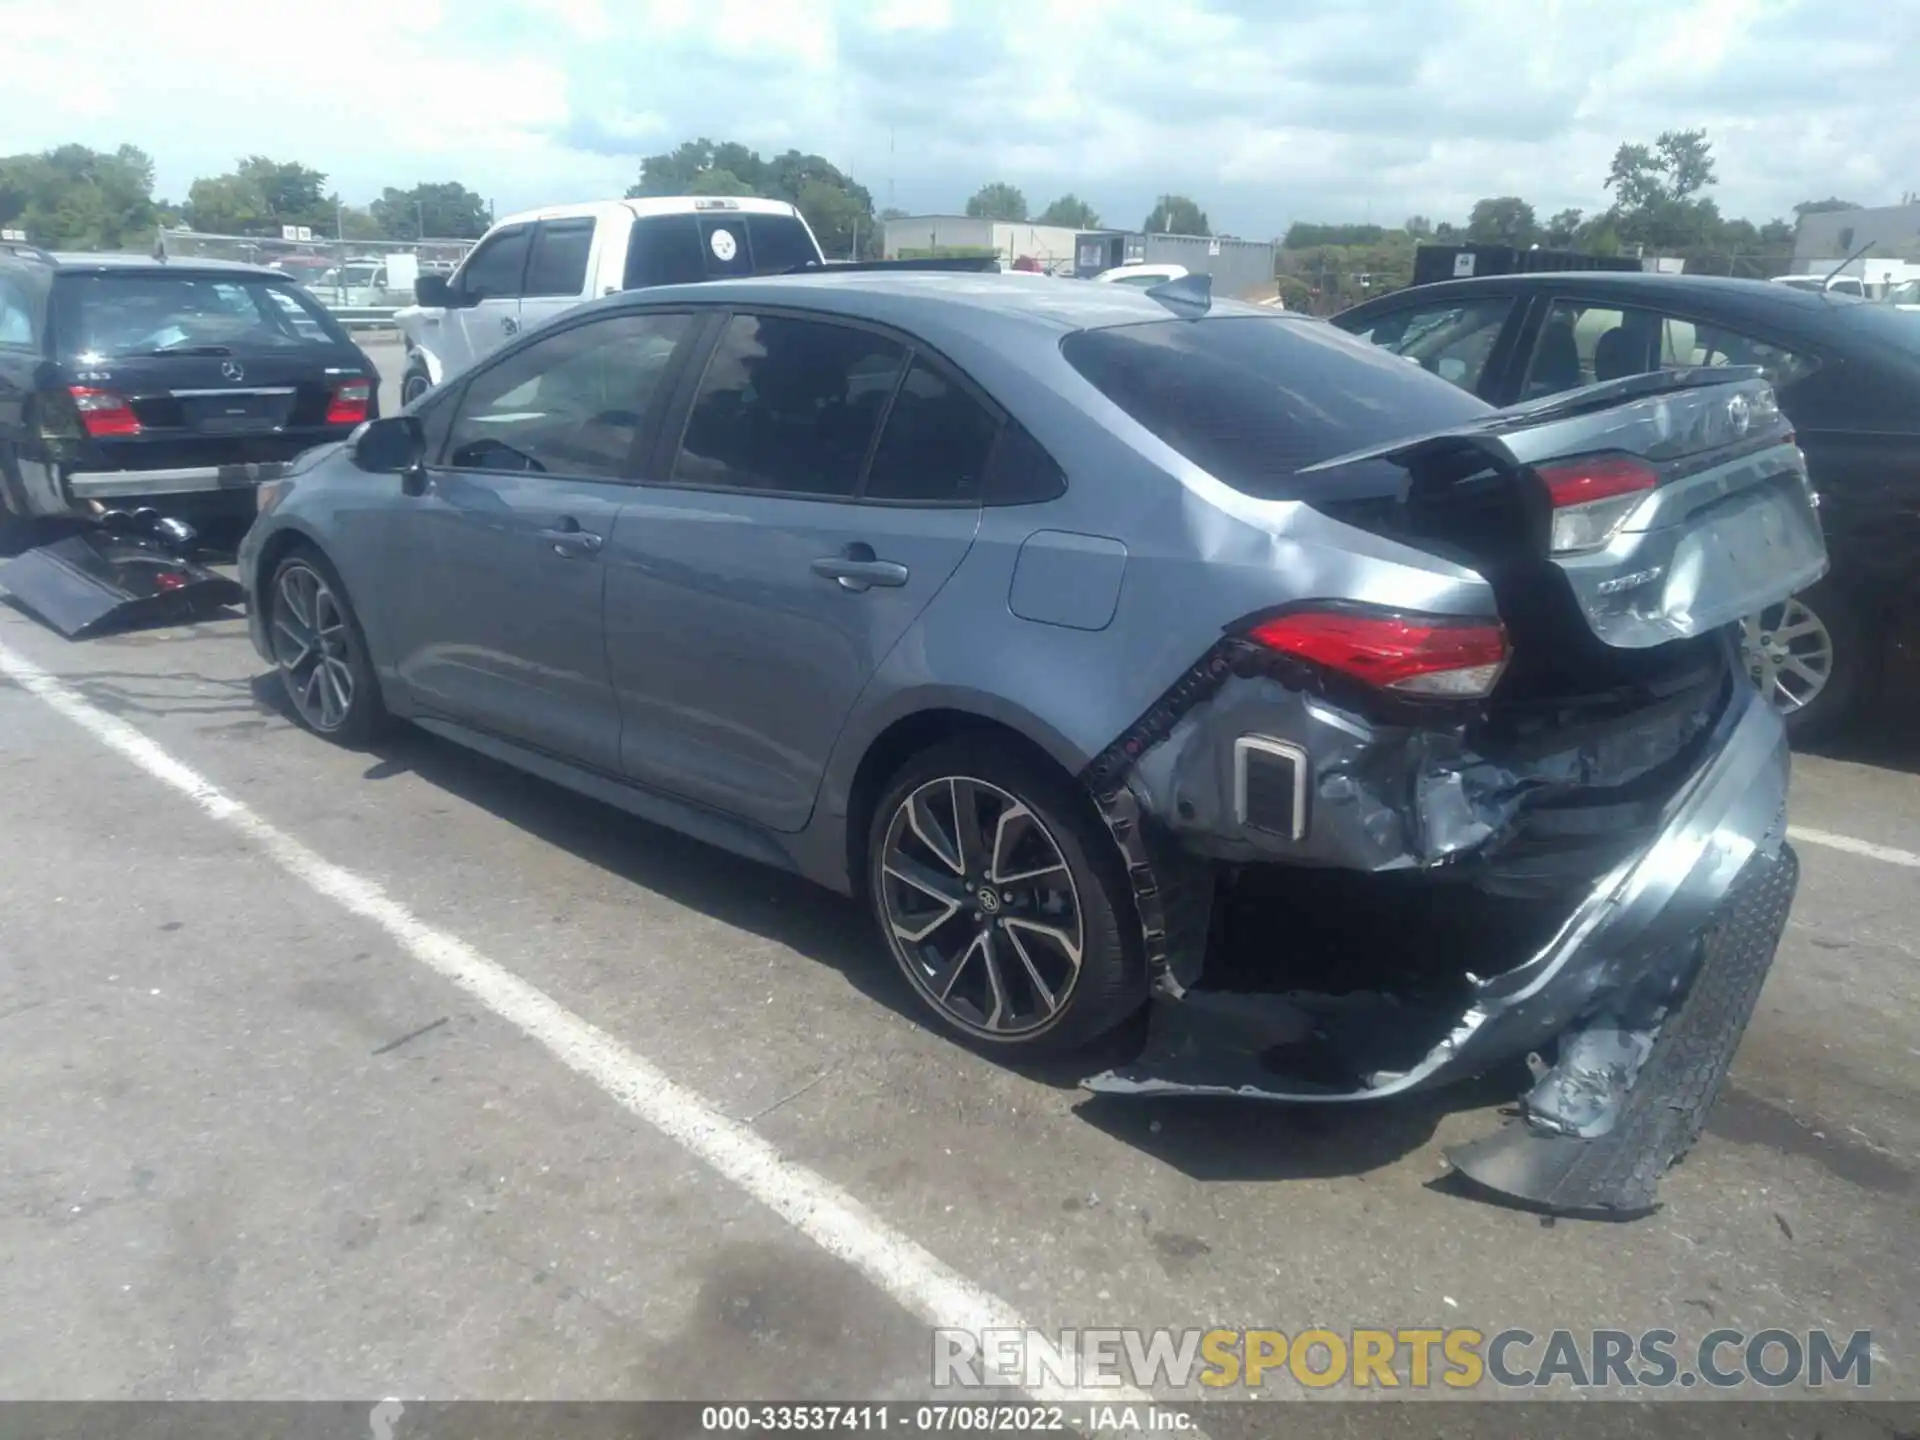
[[361, 281]]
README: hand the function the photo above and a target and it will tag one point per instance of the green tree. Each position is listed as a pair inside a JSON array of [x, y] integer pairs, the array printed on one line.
[[258, 196], [1072, 211], [443, 210], [998, 201], [72, 197], [1418, 226], [1176, 215], [1777, 235], [1561, 229], [1829, 206], [1308, 234], [1502, 220], [1657, 190], [836, 206]]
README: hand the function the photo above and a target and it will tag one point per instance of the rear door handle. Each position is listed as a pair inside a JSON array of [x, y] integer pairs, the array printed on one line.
[[569, 541], [855, 568], [509, 324]]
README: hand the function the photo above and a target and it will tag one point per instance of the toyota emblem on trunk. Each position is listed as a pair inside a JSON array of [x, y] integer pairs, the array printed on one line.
[[233, 370]]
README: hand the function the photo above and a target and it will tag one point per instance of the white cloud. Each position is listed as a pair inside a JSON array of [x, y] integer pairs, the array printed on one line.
[[1265, 112]]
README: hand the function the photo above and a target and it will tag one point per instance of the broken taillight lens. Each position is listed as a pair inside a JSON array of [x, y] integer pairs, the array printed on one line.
[[1438, 657], [348, 406], [1592, 498], [105, 414]]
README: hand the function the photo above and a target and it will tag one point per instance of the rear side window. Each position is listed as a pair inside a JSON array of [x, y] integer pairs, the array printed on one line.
[[936, 443], [685, 249], [788, 405], [1253, 400], [558, 265], [155, 313], [19, 315]]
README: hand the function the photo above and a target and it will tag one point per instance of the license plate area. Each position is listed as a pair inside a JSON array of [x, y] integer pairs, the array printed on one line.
[[244, 412]]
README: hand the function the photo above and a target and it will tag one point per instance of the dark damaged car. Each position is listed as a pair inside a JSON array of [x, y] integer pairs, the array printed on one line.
[[1125, 649]]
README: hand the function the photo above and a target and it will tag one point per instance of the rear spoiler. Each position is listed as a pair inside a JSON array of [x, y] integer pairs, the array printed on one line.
[[962, 264], [1612, 415]]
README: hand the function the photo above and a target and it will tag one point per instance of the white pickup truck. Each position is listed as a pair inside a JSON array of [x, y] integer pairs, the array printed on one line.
[[534, 265]]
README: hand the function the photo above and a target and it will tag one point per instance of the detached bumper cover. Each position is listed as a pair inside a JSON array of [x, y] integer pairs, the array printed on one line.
[[1606, 990], [99, 581]]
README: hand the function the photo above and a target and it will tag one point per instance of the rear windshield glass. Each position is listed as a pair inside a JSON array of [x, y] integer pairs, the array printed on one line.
[[152, 314], [685, 249], [1253, 399]]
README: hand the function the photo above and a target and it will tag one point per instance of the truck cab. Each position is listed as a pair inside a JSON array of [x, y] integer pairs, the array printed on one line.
[[532, 266]]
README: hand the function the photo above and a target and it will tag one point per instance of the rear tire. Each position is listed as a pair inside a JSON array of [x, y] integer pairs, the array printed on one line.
[[320, 651], [1003, 901], [1810, 658]]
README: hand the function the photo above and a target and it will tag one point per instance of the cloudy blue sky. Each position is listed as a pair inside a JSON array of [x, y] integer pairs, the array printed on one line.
[[1266, 111]]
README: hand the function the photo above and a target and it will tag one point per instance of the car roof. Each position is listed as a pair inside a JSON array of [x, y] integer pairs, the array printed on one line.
[[652, 205], [925, 302], [83, 262], [1759, 297]]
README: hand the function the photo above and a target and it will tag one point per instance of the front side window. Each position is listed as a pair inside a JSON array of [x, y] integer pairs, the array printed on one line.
[[1452, 341], [494, 270], [572, 403], [788, 405], [936, 443], [1584, 344], [558, 264]]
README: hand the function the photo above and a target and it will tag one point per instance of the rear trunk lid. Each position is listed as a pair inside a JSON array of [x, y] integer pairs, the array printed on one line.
[[1671, 504]]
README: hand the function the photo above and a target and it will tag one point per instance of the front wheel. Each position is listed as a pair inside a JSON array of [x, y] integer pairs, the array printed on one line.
[[415, 383], [1003, 900], [1808, 657], [320, 652]]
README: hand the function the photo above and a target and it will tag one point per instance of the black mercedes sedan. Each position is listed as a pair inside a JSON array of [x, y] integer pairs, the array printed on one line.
[[1847, 373]]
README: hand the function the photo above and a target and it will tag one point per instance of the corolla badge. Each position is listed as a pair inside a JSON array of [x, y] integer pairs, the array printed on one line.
[[233, 370]]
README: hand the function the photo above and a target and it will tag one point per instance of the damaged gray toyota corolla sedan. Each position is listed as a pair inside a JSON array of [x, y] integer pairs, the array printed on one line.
[[1126, 648]]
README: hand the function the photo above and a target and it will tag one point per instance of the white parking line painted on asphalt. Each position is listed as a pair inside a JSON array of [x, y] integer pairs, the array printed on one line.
[[812, 1204], [1888, 854]]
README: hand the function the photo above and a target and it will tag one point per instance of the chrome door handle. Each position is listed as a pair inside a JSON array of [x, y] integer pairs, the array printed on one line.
[[509, 324], [859, 572], [571, 542]]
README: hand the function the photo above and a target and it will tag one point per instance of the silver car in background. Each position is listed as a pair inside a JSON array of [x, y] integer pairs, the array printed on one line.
[[1123, 648]]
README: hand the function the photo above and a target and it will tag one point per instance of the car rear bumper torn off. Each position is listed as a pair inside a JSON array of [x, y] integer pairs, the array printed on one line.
[[1627, 1006]]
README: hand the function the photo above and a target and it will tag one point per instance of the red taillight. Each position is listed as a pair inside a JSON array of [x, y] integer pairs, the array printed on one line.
[[1420, 655], [104, 413], [1592, 496], [349, 403], [1599, 477]]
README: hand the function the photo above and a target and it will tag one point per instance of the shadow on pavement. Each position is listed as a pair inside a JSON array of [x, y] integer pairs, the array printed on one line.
[[1204, 1138]]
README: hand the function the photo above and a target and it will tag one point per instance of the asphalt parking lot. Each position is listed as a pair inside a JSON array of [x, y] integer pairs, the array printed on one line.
[[335, 1073]]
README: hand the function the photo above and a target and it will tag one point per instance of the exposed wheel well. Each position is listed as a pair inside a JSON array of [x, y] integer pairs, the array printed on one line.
[[282, 544], [898, 743]]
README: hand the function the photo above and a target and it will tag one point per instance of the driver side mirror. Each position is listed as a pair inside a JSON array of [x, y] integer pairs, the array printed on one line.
[[433, 290], [394, 445]]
